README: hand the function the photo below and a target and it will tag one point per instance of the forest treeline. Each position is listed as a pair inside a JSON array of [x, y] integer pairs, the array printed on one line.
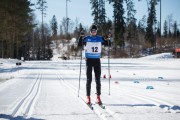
[[21, 35]]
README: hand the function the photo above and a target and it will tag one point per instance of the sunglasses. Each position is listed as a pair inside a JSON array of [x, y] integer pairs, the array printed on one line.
[[93, 31]]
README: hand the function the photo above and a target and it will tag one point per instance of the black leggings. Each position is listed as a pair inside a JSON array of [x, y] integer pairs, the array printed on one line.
[[90, 64]]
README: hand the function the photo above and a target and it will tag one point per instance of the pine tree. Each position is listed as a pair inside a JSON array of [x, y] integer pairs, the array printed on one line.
[[150, 37], [165, 33], [119, 24], [81, 27], [61, 30], [99, 13], [95, 10], [158, 32], [54, 26], [178, 34], [15, 22], [175, 26], [42, 7], [102, 12], [130, 11], [131, 24], [158, 38], [142, 25], [169, 20], [102, 16]]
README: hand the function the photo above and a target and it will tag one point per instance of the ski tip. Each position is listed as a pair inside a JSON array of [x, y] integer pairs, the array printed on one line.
[[102, 106], [90, 106]]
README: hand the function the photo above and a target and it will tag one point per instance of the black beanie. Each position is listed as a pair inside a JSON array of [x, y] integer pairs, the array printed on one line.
[[93, 27]]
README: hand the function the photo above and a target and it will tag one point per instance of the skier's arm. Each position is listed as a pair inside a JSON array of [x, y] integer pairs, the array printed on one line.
[[81, 41], [106, 42]]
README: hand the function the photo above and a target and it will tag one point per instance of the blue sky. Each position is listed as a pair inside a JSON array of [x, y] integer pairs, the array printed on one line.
[[81, 9]]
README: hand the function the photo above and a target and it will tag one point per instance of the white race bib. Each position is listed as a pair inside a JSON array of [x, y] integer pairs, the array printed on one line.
[[93, 49]]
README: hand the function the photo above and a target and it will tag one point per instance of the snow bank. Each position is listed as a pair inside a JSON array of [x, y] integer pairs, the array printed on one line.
[[159, 56], [62, 49], [7, 69]]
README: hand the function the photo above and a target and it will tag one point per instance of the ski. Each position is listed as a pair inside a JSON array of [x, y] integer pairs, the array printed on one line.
[[101, 105], [90, 106]]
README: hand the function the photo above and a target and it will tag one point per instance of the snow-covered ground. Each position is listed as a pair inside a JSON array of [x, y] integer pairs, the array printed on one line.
[[8, 69], [140, 89]]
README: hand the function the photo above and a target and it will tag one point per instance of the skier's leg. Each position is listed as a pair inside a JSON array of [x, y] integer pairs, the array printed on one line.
[[97, 71], [89, 77]]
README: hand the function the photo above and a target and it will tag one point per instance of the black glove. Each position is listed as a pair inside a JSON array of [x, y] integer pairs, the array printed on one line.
[[80, 41], [82, 34]]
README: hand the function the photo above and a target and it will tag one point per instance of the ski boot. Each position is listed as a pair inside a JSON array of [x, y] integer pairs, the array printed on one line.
[[98, 100], [88, 100]]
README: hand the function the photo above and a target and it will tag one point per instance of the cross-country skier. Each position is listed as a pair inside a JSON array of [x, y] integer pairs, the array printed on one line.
[[93, 44]]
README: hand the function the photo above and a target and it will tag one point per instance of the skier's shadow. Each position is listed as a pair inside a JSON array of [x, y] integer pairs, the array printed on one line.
[[9, 117], [131, 105], [175, 107]]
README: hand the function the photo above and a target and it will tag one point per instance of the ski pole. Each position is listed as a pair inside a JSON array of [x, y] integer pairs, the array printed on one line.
[[109, 65], [80, 73], [80, 66], [109, 37]]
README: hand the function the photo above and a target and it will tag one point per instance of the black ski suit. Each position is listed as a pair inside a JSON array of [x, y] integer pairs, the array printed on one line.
[[93, 59]]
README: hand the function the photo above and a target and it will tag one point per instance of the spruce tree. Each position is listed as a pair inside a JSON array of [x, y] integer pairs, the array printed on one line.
[[15, 22], [131, 24], [102, 16], [102, 12], [175, 26], [119, 24], [142, 25], [158, 32], [99, 13], [54, 26], [42, 7], [151, 21], [165, 33], [95, 10]]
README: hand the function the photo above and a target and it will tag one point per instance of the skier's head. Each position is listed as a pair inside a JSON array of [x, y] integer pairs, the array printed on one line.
[[93, 30]]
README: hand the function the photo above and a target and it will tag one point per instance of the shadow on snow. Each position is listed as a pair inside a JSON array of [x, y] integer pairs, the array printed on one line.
[[9, 117], [175, 107]]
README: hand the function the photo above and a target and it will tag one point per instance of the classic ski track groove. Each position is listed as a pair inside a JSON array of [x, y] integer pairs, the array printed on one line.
[[26, 104], [104, 114], [146, 98]]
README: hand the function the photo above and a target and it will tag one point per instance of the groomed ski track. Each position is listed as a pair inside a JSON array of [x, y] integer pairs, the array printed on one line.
[[109, 114], [49, 90], [26, 104], [104, 114]]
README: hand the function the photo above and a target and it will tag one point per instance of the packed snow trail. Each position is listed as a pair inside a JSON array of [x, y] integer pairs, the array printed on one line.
[[40, 94], [49, 90], [127, 95], [26, 105], [104, 114]]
